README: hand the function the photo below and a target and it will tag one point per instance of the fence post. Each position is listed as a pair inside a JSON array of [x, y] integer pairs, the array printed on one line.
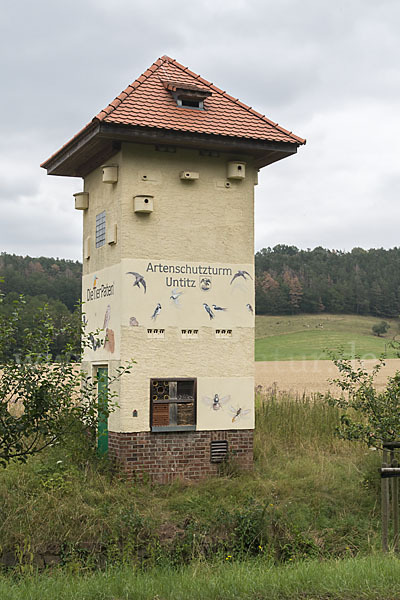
[[395, 508], [385, 505]]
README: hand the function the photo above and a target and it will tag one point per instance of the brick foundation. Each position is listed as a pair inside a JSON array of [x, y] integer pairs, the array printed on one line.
[[166, 456]]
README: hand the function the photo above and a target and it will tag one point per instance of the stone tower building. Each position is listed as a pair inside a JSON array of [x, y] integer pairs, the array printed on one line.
[[169, 170]]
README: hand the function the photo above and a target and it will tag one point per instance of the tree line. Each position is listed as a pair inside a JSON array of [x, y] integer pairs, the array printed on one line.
[[54, 282], [290, 281]]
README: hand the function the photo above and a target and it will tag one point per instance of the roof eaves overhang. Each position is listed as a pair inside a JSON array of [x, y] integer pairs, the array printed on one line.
[[100, 140]]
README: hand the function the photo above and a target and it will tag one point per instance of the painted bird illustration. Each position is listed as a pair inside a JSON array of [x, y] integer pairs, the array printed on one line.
[[156, 312], [250, 308], [95, 343], [139, 279], [239, 412], [216, 403], [215, 307], [209, 311], [205, 284], [243, 274], [175, 296], [107, 316]]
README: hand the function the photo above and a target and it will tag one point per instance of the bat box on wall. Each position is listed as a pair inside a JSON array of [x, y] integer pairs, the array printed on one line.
[[81, 200], [110, 173], [143, 204], [236, 170], [112, 234], [86, 248]]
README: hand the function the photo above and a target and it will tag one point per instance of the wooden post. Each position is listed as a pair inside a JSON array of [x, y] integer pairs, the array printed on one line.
[[395, 508], [385, 505]]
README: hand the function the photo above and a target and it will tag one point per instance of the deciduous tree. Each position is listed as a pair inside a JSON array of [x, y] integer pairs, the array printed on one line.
[[367, 415], [43, 401]]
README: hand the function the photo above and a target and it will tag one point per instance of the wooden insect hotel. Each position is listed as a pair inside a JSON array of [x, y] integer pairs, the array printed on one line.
[[169, 169]]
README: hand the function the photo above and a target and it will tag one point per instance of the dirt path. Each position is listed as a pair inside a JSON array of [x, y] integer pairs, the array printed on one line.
[[311, 375]]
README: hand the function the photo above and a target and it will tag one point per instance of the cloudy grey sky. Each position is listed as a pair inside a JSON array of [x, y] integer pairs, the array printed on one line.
[[329, 71]]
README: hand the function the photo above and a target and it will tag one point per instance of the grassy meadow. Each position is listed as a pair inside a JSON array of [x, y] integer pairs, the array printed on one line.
[[308, 337], [305, 523], [310, 497], [367, 578]]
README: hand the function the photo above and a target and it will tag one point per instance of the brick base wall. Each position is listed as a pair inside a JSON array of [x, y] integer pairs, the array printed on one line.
[[166, 456]]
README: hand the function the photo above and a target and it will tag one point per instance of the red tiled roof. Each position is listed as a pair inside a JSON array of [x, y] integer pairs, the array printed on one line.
[[176, 85], [148, 103]]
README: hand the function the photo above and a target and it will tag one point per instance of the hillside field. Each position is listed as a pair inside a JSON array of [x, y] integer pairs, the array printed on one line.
[[309, 337]]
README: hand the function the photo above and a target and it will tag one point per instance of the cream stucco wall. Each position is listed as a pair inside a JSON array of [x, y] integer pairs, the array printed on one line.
[[216, 363], [194, 222], [102, 196]]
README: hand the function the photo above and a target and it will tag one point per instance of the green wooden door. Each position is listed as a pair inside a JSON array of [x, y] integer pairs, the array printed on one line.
[[102, 428]]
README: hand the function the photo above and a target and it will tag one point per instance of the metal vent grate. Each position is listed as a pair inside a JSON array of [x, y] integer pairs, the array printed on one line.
[[219, 451]]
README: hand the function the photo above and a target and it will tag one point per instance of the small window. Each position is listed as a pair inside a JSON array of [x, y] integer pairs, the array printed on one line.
[[101, 229], [190, 103], [173, 404], [188, 95]]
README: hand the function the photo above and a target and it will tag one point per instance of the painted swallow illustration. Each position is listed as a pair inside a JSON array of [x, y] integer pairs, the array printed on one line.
[[209, 311], [218, 307], [156, 312], [175, 296], [139, 279], [250, 308], [243, 274], [95, 343]]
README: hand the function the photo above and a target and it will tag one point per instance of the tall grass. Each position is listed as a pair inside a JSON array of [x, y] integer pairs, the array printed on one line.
[[372, 578], [295, 421], [310, 494]]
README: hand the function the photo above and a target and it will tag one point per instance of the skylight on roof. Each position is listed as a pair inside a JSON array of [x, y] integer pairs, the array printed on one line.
[[187, 95]]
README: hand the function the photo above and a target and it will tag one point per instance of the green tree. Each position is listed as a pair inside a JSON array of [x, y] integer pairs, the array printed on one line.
[[360, 281], [367, 415], [380, 328], [43, 401]]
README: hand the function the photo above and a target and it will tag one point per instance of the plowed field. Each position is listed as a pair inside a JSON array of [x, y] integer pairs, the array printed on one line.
[[311, 375]]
